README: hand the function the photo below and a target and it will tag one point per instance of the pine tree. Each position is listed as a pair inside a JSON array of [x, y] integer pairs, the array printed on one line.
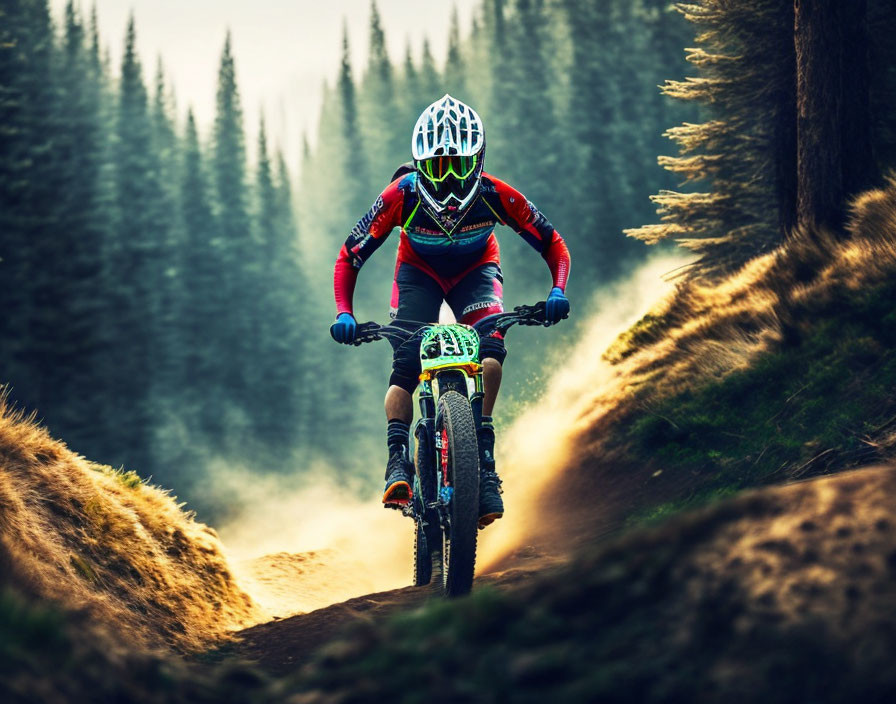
[[283, 382], [354, 158], [629, 52], [746, 150], [294, 316], [522, 135], [266, 374], [238, 248], [666, 34], [135, 272], [25, 98], [431, 86], [477, 56], [74, 325], [498, 121], [412, 101], [772, 162], [361, 183], [321, 165], [165, 147], [455, 64], [596, 173], [203, 306], [385, 148]]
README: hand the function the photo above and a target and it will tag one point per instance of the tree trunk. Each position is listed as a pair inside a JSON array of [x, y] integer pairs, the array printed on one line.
[[833, 117], [785, 146], [859, 168]]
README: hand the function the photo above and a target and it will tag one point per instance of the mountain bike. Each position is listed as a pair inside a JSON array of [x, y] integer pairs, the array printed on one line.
[[445, 501]]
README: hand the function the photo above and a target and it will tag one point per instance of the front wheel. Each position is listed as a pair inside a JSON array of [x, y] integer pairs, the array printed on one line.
[[459, 480]]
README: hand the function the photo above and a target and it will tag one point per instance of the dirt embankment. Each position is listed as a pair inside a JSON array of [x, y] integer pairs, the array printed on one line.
[[780, 595], [92, 539]]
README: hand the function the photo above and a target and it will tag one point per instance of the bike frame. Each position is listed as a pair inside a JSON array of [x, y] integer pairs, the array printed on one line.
[[449, 360]]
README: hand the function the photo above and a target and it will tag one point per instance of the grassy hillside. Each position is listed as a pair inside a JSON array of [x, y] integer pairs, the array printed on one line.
[[52, 656], [95, 540], [783, 371], [792, 370]]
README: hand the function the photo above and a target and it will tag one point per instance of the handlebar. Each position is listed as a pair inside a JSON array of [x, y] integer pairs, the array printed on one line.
[[404, 331]]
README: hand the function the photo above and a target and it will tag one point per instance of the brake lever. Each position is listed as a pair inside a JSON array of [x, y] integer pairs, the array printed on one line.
[[367, 332], [531, 315]]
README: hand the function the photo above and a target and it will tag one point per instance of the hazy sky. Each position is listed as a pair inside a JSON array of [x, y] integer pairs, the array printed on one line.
[[284, 49]]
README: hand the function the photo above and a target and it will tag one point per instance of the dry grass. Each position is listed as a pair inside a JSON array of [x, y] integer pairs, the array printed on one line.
[[88, 537], [709, 329]]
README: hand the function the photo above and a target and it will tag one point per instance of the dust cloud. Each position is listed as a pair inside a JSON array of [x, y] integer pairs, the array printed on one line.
[[532, 452], [304, 545]]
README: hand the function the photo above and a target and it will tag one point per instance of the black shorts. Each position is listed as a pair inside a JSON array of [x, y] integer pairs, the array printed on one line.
[[417, 297], [416, 300]]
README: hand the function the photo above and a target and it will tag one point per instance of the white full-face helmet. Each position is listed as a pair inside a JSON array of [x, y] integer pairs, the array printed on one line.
[[448, 148]]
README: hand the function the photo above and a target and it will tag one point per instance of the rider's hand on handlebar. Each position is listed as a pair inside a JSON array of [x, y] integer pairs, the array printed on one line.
[[557, 306], [344, 329]]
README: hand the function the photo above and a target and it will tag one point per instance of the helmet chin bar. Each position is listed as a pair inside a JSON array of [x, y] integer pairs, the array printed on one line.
[[440, 207]]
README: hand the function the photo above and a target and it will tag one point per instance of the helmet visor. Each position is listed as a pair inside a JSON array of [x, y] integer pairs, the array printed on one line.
[[439, 168]]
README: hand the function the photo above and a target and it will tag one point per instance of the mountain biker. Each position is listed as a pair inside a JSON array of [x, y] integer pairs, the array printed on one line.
[[447, 209]]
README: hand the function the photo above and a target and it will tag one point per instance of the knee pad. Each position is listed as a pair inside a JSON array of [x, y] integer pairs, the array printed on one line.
[[492, 347], [405, 368]]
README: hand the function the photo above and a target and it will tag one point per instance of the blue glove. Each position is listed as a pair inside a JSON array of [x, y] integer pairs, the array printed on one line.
[[344, 329], [557, 306]]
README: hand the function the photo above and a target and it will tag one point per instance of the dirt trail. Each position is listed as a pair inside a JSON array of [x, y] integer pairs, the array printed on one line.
[[569, 522], [282, 646]]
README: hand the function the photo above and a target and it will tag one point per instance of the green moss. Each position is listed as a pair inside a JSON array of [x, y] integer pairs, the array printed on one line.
[[127, 478], [83, 568], [27, 632], [646, 331], [656, 514]]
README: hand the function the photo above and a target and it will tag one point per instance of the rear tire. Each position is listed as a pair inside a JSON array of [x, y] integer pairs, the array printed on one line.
[[455, 417], [422, 557], [428, 538]]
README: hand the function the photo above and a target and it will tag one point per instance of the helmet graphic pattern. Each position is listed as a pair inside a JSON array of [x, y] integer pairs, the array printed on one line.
[[448, 127]]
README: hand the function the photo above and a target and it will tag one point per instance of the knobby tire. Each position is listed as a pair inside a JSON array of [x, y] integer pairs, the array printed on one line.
[[428, 538], [459, 541], [422, 560]]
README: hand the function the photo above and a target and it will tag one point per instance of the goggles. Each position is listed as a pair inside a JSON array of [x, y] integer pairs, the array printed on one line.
[[438, 168]]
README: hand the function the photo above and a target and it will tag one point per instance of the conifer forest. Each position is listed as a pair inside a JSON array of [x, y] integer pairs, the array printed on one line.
[[166, 299]]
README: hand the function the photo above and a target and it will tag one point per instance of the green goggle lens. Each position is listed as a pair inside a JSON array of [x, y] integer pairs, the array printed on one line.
[[438, 168]]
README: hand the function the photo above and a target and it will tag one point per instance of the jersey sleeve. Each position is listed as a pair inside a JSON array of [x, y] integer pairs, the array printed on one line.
[[364, 239], [530, 223]]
